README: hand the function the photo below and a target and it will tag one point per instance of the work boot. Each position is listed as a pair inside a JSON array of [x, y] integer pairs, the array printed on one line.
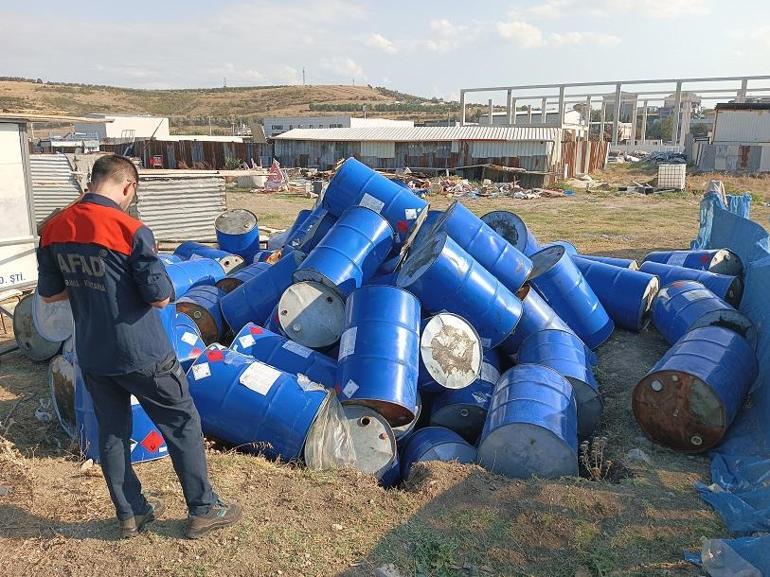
[[220, 515], [132, 526]]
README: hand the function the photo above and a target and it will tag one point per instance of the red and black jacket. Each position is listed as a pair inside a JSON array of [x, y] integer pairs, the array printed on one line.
[[108, 263]]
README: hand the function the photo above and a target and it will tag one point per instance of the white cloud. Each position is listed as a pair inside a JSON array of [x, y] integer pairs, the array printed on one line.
[[574, 38], [522, 33], [446, 35], [378, 41], [343, 67], [663, 9], [551, 9]]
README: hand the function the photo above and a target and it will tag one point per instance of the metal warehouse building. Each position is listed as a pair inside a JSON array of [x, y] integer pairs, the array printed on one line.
[[439, 147]]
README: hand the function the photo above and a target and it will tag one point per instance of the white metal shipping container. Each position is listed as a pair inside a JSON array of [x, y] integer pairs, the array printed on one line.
[[18, 264]]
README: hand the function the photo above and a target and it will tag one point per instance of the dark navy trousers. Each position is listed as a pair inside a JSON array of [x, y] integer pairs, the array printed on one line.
[[163, 392]]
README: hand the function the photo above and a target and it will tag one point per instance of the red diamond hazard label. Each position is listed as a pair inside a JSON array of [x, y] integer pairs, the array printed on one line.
[[256, 330], [153, 441], [215, 355]]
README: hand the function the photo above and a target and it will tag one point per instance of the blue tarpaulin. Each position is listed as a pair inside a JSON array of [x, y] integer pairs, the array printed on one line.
[[740, 466]]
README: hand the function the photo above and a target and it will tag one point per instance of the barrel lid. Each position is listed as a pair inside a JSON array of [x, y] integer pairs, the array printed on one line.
[[373, 440], [544, 260], [311, 314], [726, 262], [465, 419], [30, 342], [589, 407], [54, 321], [231, 263], [421, 258], [236, 221], [61, 385], [451, 351], [522, 450], [508, 225], [679, 410]]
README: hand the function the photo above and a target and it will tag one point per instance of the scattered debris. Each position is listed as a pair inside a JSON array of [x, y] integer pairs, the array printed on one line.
[[639, 456]]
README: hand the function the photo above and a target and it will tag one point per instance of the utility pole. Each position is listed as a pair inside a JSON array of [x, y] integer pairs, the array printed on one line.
[[303, 76], [224, 83]]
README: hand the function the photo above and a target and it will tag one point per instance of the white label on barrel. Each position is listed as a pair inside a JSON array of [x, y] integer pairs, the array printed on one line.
[[486, 342], [190, 338], [489, 373], [410, 213], [246, 340], [480, 398], [134, 400], [195, 256], [297, 348], [350, 389], [259, 377], [677, 259], [348, 342], [370, 202], [201, 371]]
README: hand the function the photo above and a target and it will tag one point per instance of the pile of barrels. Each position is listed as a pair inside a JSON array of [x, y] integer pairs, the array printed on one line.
[[376, 333]]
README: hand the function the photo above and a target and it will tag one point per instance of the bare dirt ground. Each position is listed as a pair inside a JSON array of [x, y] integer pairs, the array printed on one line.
[[448, 521]]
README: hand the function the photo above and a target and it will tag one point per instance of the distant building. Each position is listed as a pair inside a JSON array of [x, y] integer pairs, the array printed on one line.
[[533, 154], [627, 102], [125, 127], [572, 120], [694, 101], [279, 124]]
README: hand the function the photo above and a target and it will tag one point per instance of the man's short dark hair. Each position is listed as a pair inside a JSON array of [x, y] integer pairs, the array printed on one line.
[[113, 167]]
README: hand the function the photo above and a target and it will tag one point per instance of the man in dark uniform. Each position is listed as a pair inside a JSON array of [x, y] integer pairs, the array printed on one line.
[[105, 263]]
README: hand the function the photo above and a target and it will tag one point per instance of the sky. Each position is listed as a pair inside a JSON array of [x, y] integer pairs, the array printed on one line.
[[424, 47]]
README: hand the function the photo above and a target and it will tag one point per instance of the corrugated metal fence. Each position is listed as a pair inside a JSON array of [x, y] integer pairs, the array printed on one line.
[[180, 207], [54, 183]]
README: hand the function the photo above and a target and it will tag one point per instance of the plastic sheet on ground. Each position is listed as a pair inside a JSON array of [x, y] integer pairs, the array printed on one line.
[[740, 468]]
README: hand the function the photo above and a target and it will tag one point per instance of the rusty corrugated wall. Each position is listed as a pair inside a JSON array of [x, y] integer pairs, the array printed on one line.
[[192, 153]]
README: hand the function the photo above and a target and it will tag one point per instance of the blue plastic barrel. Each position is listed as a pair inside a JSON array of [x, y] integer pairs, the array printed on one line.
[[379, 352], [190, 249], [288, 356], [612, 260], [311, 313], [685, 305], [354, 183], [61, 387], [489, 249], [720, 261], [255, 299], [235, 279], [146, 442], [187, 341], [445, 277], [238, 232], [307, 235], [512, 228], [566, 354], [252, 405], [625, 294], [350, 253], [189, 274], [435, 444], [691, 396], [450, 353], [729, 288], [464, 410], [568, 293], [531, 426], [201, 304], [374, 443], [169, 258], [536, 315]]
